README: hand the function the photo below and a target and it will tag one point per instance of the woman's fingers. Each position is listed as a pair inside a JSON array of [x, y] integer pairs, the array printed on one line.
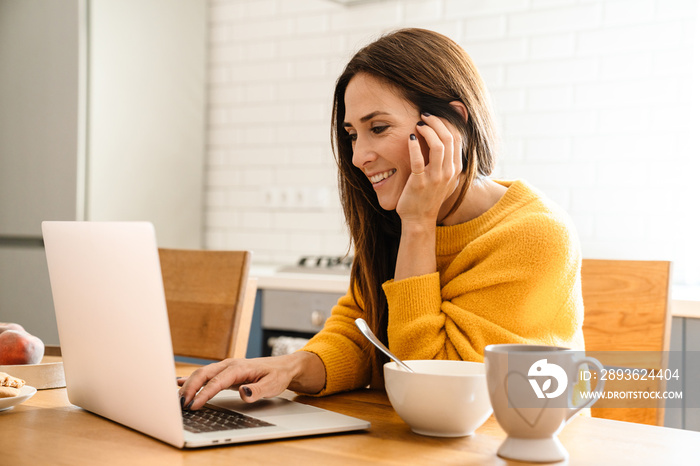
[[254, 379], [444, 142], [263, 388], [416, 155], [457, 153], [196, 390], [208, 391], [436, 146], [435, 161]]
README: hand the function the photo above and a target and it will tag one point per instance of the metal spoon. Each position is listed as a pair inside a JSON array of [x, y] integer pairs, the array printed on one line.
[[367, 332]]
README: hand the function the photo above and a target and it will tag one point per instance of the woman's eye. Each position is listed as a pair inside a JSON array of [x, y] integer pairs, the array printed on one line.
[[375, 130]]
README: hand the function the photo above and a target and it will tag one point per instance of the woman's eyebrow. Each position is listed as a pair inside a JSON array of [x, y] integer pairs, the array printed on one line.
[[367, 117]]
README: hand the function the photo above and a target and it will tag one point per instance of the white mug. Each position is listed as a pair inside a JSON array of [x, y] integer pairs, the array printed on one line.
[[532, 389]]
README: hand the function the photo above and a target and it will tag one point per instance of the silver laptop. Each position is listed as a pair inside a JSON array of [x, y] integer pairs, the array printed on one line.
[[117, 352]]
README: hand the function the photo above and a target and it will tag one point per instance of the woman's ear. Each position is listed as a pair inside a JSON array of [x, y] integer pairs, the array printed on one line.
[[461, 108]]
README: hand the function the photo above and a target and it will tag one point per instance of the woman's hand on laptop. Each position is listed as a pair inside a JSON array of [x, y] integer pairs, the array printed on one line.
[[254, 378]]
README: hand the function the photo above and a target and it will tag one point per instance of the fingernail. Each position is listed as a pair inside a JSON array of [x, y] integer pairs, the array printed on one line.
[[426, 114], [247, 391], [421, 123], [413, 137], [189, 405], [182, 402]]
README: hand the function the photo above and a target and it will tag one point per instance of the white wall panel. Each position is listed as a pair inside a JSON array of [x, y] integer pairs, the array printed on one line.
[[592, 98]]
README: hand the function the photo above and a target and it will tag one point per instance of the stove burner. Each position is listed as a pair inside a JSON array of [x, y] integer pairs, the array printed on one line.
[[321, 265], [325, 261]]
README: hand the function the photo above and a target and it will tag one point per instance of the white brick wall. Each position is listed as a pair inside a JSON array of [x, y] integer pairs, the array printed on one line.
[[595, 101]]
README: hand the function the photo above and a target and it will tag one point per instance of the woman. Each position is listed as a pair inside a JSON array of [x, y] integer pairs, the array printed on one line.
[[446, 259]]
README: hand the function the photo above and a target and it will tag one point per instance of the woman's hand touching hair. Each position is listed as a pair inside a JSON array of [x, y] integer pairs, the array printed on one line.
[[436, 165]]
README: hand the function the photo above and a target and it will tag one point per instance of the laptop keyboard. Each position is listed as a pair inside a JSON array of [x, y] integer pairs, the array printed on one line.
[[213, 419]]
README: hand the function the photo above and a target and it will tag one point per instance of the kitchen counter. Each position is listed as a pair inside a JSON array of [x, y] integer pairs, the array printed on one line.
[[269, 277], [685, 301]]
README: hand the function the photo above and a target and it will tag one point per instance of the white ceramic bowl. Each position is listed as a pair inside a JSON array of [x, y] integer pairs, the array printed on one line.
[[39, 376], [442, 398]]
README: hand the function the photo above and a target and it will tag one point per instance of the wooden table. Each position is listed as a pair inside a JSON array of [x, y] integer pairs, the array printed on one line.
[[47, 429]]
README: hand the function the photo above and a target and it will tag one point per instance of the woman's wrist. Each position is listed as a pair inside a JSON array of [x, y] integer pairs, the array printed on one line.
[[417, 227], [416, 255], [308, 372]]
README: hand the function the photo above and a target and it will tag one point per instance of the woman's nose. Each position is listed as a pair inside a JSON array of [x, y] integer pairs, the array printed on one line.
[[362, 153]]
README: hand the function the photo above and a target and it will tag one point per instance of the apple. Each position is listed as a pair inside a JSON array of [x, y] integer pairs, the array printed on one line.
[[10, 326], [20, 347]]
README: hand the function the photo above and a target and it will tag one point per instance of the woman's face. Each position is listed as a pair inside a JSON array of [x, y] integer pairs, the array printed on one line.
[[380, 122]]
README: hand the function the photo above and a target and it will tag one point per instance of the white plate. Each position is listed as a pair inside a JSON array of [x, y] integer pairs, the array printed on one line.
[[25, 393]]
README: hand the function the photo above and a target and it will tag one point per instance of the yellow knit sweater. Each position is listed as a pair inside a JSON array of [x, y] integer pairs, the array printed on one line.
[[512, 275]]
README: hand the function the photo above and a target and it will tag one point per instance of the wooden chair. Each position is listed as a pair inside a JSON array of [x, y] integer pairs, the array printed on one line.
[[210, 301], [626, 306]]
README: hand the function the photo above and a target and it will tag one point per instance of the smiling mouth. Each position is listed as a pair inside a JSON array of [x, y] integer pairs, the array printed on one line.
[[374, 179]]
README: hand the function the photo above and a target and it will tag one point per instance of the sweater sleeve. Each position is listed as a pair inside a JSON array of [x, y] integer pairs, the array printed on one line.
[[515, 285], [346, 354]]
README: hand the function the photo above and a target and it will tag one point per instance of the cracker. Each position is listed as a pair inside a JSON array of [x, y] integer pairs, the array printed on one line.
[[7, 381], [8, 392]]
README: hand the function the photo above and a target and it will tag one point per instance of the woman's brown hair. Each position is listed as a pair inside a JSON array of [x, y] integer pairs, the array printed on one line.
[[429, 70]]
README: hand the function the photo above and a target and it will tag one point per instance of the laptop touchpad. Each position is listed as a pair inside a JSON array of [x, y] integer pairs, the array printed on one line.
[[261, 408]]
